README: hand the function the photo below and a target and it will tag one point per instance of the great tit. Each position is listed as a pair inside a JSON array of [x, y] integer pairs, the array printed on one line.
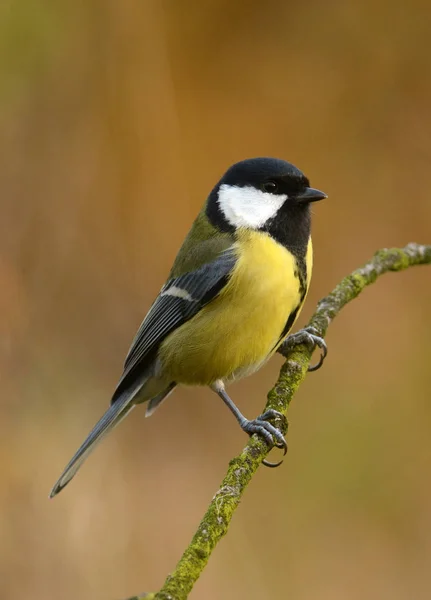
[[234, 291]]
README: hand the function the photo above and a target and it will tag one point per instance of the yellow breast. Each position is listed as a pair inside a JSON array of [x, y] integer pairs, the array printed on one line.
[[236, 332]]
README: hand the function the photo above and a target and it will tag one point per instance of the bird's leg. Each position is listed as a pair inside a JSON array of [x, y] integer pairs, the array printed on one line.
[[260, 425], [309, 337]]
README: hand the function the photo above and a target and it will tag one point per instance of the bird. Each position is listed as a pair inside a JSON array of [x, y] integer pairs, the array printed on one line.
[[231, 298]]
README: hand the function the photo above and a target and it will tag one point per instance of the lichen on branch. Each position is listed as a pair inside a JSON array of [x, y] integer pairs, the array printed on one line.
[[216, 520]]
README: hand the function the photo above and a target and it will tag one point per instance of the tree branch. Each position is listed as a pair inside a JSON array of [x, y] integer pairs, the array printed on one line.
[[216, 520]]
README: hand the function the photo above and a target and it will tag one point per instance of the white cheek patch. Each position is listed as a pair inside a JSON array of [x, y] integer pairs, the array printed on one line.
[[248, 206]]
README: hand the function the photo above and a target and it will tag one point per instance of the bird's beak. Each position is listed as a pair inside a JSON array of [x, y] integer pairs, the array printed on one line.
[[310, 195]]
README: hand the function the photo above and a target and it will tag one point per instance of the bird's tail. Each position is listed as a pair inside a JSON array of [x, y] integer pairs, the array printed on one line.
[[113, 416]]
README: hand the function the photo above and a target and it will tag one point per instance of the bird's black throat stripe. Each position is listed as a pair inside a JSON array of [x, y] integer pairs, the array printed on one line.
[[289, 323], [291, 228], [302, 277], [292, 317]]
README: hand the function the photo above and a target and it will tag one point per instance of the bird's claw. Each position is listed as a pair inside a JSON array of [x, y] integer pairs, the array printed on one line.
[[311, 339], [271, 434]]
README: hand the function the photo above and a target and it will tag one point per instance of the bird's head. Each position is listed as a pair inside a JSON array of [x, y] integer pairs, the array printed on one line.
[[256, 192]]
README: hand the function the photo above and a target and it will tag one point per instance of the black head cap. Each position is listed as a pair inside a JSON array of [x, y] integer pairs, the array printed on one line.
[[257, 171]]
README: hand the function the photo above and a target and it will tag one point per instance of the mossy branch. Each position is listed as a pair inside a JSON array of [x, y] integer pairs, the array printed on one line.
[[216, 520]]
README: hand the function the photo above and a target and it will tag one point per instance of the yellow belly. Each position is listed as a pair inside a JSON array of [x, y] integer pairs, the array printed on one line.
[[240, 329]]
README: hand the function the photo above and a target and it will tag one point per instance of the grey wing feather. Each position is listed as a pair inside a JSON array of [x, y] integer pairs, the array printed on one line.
[[179, 300]]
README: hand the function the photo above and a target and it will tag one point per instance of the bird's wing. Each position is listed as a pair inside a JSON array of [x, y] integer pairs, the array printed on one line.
[[179, 300]]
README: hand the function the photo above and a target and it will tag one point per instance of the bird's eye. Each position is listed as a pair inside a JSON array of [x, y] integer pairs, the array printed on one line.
[[270, 186]]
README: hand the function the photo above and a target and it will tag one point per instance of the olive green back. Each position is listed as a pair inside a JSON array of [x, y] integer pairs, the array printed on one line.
[[203, 243]]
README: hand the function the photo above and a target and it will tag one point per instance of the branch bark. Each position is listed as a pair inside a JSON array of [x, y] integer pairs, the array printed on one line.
[[216, 520]]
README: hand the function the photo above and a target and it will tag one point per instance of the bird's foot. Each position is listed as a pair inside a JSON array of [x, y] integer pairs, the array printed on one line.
[[309, 337], [271, 434]]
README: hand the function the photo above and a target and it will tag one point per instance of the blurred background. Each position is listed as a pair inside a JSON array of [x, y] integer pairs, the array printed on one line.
[[116, 119]]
